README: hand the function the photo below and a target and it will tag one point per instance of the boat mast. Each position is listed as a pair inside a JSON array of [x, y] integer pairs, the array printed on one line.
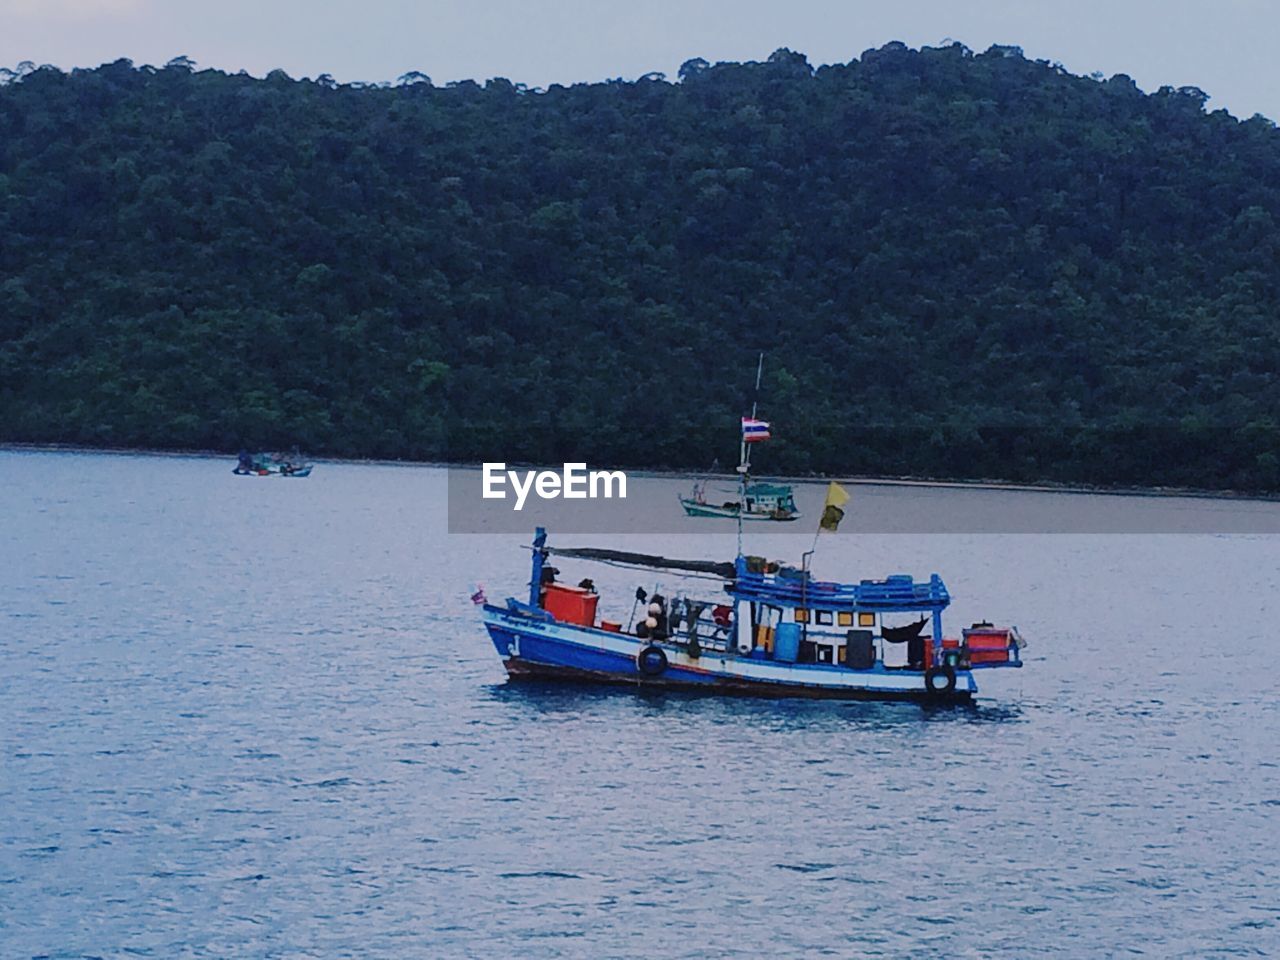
[[744, 457], [539, 558]]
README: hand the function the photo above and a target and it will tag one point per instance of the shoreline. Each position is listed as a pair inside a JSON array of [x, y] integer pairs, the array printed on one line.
[[1043, 486]]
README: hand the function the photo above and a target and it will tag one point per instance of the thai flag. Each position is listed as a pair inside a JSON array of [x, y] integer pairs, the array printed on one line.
[[478, 597], [753, 431]]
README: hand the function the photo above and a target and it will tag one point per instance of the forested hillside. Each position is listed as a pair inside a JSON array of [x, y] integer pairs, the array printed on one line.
[[958, 265]]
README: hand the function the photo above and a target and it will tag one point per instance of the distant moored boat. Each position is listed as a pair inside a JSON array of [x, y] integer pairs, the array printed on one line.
[[271, 465], [753, 501], [759, 501]]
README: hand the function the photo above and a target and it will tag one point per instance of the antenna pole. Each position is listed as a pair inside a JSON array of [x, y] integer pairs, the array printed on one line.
[[755, 403], [741, 505], [742, 492], [744, 463], [759, 371]]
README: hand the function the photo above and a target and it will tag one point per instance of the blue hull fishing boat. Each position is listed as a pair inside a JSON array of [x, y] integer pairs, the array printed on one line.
[[767, 630]]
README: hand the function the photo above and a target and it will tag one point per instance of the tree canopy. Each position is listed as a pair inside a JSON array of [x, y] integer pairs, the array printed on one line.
[[958, 264]]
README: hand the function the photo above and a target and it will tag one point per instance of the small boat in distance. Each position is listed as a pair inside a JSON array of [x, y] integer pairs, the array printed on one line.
[[763, 501], [271, 465], [755, 501], [762, 629]]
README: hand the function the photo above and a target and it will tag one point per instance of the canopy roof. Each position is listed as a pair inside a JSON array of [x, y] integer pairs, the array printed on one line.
[[768, 490], [713, 567], [896, 593]]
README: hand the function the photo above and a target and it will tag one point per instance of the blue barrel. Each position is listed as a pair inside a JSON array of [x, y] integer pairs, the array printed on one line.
[[786, 644]]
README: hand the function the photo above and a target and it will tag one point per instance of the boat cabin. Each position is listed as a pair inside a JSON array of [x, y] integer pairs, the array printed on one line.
[[769, 498]]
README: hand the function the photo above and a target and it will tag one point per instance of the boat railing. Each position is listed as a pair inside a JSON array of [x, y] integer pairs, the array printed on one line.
[[897, 592]]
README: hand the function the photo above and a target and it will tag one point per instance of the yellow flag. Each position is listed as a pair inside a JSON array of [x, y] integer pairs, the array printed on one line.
[[833, 511]]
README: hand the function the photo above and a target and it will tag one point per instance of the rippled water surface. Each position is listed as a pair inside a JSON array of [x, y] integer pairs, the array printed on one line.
[[247, 717]]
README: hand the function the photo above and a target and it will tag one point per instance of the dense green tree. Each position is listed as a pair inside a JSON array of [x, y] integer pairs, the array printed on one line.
[[960, 265]]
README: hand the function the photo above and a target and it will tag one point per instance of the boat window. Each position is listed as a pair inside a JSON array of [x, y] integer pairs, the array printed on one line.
[[802, 615], [844, 618], [866, 619], [824, 618]]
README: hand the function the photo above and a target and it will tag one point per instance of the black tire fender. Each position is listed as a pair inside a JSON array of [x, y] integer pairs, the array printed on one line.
[[940, 681], [651, 661]]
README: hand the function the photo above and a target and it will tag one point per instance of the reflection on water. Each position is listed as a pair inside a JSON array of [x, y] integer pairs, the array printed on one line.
[[255, 718], [540, 696]]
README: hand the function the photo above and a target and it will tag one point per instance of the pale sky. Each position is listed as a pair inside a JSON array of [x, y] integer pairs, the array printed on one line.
[[1226, 47]]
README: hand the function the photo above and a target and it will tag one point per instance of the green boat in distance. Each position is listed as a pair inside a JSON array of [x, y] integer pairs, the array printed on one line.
[[271, 465], [762, 501], [751, 501]]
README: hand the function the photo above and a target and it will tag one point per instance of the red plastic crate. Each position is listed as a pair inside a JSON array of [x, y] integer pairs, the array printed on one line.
[[987, 639], [570, 604], [988, 645], [989, 656]]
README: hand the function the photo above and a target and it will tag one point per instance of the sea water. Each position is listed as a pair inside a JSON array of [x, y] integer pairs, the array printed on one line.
[[259, 717]]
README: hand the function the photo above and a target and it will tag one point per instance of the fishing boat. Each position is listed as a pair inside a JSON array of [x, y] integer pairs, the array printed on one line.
[[756, 500], [760, 628], [760, 501], [271, 465]]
